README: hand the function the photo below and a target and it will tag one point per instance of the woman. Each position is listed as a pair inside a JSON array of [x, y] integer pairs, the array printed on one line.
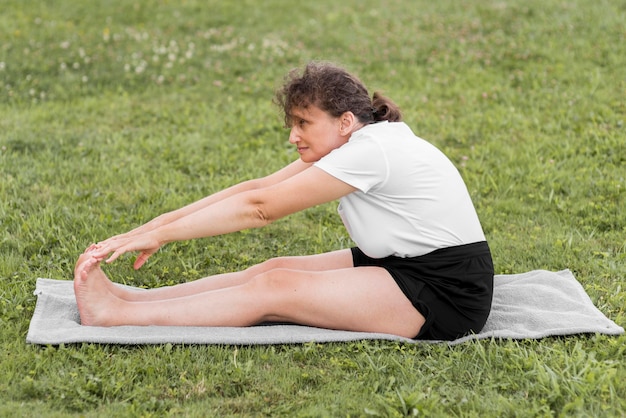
[[421, 269]]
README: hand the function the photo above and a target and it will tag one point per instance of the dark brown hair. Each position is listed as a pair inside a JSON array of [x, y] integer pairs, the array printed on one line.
[[334, 91]]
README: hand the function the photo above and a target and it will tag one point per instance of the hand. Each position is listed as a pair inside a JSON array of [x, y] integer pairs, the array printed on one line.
[[147, 244]]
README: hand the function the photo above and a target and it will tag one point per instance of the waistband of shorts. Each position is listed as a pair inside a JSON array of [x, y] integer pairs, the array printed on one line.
[[475, 249]]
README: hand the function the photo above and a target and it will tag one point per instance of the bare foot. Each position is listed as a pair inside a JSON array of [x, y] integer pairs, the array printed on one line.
[[96, 304], [112, 287]]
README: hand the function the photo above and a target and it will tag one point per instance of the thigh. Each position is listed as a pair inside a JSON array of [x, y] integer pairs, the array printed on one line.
[[357, 299], [333, 260]]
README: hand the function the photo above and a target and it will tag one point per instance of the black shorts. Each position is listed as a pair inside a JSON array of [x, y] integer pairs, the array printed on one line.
[[452, 287]]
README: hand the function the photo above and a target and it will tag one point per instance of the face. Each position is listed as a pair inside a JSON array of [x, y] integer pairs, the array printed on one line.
[[315, 133]]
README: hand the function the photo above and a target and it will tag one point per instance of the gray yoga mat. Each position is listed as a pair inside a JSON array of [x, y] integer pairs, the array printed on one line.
[[535, 304]]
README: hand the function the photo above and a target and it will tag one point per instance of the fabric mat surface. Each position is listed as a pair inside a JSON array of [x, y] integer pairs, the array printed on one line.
[[535, 304]]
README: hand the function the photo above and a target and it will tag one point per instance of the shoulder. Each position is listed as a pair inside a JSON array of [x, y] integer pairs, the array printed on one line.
[[384, 132], [393, 137]]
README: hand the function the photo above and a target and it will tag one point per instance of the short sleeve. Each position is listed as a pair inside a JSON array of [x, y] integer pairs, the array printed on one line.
[[361, 163]]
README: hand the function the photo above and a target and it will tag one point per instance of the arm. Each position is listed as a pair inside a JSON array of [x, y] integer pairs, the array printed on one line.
[[247, 209], [263, 182], [169, 217], [257, 208]]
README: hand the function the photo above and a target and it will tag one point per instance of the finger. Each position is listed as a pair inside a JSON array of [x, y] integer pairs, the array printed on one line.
[[115, 255], [91, 248], [100, 251], [112, 239], [141, 260], [107, 241]]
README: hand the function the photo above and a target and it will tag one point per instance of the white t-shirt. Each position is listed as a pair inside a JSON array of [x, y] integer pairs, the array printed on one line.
[[410, 201]]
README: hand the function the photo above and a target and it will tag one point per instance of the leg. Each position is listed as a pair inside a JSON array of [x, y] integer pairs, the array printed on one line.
[[358, 299], [328, 261]]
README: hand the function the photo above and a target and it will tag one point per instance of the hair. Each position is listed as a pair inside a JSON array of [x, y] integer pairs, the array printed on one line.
[[334, 91]]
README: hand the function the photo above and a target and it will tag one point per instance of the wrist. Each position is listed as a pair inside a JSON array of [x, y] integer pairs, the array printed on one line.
[[162, 220], [161, 235]]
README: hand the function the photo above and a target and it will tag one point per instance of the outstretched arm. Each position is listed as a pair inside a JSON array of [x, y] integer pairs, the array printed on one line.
[[239, 210], [169, 217], [280, 175]]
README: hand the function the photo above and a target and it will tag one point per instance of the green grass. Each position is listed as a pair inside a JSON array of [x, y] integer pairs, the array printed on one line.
[[112, 113]]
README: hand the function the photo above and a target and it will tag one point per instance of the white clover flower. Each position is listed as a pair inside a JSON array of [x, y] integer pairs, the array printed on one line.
[[65, 44], [2, 65], [141, 67]]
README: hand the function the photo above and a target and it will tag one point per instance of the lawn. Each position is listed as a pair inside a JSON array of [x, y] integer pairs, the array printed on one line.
[[114, 112]]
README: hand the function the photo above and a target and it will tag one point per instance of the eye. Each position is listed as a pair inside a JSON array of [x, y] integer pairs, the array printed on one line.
[[299, 122]]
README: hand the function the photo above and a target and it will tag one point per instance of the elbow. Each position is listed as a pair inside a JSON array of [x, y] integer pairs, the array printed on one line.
[[261, 208], [261, 216]]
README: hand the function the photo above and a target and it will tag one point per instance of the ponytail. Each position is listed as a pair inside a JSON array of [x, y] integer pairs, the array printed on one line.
[[384, 108]]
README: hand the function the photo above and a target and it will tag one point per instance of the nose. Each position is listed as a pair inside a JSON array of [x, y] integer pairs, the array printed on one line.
[[293, 136]]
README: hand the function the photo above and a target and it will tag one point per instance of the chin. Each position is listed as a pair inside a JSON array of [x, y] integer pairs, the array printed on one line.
[[308, 159]]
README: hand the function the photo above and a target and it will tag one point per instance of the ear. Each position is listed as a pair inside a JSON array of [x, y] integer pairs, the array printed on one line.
[[347, 123]]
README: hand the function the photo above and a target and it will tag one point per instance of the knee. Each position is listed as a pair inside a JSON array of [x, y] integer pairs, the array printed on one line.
[[268, 265], [274, 290], [272, 281]]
